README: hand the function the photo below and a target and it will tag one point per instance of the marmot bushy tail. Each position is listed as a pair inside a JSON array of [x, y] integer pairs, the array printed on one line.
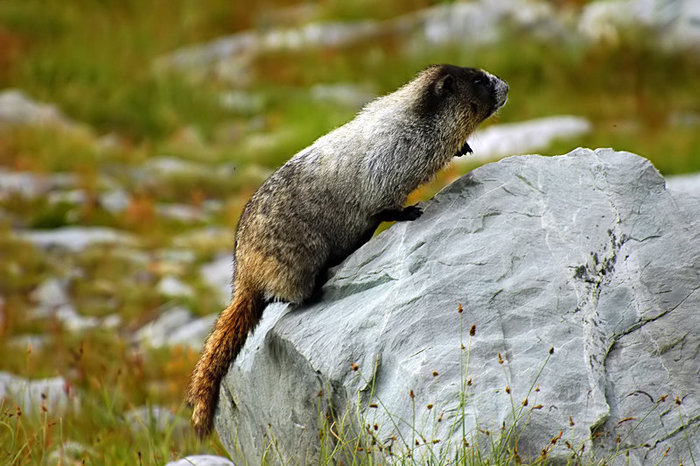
[[329, 198], [222, 346]]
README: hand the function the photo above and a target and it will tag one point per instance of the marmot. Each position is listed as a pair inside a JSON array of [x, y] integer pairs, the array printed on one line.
[[329, 198]]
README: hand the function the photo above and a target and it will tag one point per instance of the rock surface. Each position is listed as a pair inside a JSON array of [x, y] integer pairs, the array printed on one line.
[[587, 253]]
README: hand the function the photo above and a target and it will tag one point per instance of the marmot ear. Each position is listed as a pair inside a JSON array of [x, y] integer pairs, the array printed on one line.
[[445, 84]]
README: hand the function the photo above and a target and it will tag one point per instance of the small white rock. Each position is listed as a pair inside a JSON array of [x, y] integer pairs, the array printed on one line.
[[503, 140], [217, 274], [173, 287], [202, 460], [27, 393], [75, 239]]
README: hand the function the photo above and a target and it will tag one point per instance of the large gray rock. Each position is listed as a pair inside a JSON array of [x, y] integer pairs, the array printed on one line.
[[587, 253]]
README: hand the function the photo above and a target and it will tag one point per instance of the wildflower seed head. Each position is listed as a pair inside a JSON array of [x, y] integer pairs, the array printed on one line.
[[472, 331], [376, 427], [571, 421], [354, 366], [435, 373], [430, 406], [411, 394], [556, 439], [469, 382], [525, 402], [373, 405], [663, 398], [459, 308], [500, 359], [507, 389], [678, 401]]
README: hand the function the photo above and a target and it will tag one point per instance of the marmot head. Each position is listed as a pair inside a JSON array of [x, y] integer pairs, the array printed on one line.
[[439, 108], [468, 94]]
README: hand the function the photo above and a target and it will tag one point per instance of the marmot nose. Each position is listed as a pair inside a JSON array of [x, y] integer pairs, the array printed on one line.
[[500, 90]]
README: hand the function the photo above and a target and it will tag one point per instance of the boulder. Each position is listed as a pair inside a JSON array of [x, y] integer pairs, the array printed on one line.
[[580, 275]]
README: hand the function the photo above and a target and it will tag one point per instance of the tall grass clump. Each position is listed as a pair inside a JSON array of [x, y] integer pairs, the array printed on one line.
[[355, 437]]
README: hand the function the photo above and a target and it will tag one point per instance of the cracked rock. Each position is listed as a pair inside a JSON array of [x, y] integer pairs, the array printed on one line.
[[587, 254]]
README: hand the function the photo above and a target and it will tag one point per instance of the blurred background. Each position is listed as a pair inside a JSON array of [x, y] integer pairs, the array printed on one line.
[[132, 133]]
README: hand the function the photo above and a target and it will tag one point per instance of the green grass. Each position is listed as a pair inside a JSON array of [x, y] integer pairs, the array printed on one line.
[[93, 59]]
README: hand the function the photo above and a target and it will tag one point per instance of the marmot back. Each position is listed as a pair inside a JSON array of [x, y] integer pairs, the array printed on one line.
[[329, 198]]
